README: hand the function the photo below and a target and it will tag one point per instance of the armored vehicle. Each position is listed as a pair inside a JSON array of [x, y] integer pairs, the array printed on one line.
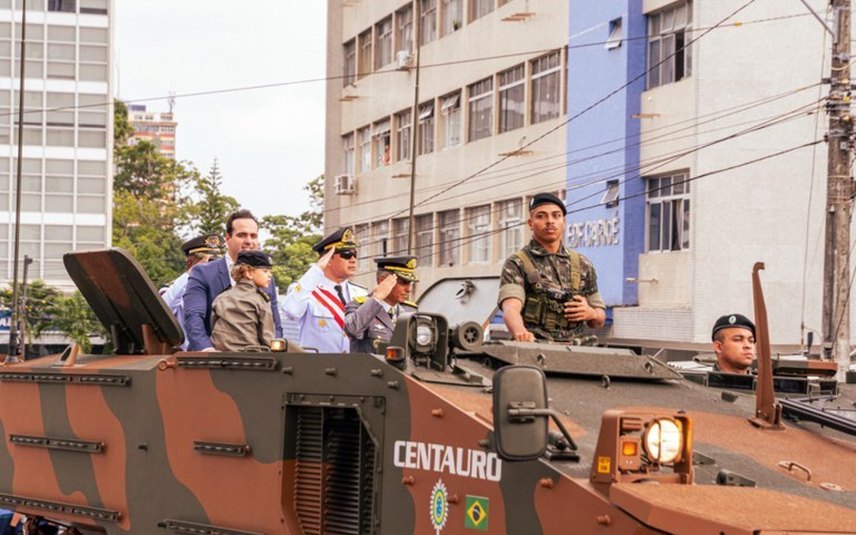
[[423, 438]]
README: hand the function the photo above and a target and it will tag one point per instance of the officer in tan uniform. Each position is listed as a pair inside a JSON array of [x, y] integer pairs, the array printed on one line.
[[370, 320], [242, 316], [547, 291]]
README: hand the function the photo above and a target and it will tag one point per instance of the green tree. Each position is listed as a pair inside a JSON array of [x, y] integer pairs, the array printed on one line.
[[148, 203], [208, 214], [76, 319], [40, 308], [291, 238]]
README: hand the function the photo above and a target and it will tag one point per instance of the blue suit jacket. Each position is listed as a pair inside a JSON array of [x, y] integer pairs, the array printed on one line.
[[206, 282]]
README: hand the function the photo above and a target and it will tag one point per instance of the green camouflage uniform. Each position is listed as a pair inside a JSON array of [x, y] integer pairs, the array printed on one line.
[[543, 316]]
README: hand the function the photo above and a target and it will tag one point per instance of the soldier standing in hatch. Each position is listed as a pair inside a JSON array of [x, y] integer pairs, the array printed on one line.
[[547, 291], [318, 299], [733, 338], [370, 320], [242, 316]]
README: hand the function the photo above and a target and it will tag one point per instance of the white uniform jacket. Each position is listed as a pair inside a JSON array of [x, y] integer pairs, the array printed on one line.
[[314, 304]]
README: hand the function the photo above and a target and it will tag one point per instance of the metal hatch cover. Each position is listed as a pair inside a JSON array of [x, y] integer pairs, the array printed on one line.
[[462, 299], [124, 299], [580, 360]]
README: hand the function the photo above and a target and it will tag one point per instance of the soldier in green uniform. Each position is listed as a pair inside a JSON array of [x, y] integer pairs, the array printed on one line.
[[547, 291]]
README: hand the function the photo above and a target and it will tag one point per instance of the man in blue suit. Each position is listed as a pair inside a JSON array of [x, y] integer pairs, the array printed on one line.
[[207, 281]]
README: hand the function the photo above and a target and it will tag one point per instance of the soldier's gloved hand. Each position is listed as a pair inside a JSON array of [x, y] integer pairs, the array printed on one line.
[[578, 309], [384, 287], [324, 260], [525, 336]]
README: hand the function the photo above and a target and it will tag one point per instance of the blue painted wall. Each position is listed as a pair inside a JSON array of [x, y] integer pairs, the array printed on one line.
[[603, 142]]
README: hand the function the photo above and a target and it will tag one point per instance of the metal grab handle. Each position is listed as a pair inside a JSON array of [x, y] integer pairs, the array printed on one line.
[[790, 465]]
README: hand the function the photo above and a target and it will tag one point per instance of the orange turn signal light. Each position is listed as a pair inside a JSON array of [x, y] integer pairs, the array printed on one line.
[[394, 354], [629, 448]]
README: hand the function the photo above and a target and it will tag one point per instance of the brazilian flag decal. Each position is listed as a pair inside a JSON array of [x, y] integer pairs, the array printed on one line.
[[477, 511]]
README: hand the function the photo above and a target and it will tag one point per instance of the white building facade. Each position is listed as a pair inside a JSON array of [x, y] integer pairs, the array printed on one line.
[[492, 79], [66, 189]]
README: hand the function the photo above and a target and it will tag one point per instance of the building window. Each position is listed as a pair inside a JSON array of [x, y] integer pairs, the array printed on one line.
[[614, 39], [404, 29], [453, 16], [425, 240], [349, 69], [479, 227], [481, 109], [93, 7], [668, 29], [511, 99], [610, 196], [451, 111], [402, 136], [668, 212], [348, 145], [364, 61], [383, 50], [66, 6], [428, 21], [546, 87], [364, 138], [511, 221], [381, 143], [400, 229], [480, 8], [380, 239], [450, 237], [362, 237], [426, 128]]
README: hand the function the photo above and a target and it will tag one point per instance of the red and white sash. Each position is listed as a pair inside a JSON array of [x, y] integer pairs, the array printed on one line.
[[331, 302]]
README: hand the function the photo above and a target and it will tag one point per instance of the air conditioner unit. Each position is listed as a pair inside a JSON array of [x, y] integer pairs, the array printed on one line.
[[345, 184], [404, 59]]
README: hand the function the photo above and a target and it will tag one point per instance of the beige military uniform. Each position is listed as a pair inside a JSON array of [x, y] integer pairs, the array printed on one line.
[[540, 280], [241, 317]]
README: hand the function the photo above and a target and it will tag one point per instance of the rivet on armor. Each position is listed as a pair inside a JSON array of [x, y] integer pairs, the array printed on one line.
[[604, 520], [408, 480], [437, 413], [546, 482], [393, 385], [331, 371]]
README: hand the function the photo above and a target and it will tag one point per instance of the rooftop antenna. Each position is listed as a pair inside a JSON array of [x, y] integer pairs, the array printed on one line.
[[171, 101]]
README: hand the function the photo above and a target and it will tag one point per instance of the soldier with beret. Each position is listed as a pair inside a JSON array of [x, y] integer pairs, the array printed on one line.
[[241, 316], [733, 337], [370, 320], [317, 301], [198, 250], [547, 291]]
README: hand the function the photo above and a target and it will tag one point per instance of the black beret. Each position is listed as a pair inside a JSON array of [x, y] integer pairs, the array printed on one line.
[[403, 266], [206, 244], [732, 320], [547, 198], [256, 259], [341, 239]]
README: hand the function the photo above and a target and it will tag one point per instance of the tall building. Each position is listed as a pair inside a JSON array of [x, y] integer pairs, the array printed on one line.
[[67, 139], [156, 128], [492, 79], [699, 162]]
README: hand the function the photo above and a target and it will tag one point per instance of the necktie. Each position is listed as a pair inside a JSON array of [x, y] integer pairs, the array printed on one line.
[[391, 313], [338, 288]]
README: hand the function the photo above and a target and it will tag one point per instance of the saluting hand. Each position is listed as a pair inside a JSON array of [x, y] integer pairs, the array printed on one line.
[[578, 309], [384, 287], [324, 260]]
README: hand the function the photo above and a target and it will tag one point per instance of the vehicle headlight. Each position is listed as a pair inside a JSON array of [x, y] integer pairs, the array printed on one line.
[[663, 440], [424, 335]]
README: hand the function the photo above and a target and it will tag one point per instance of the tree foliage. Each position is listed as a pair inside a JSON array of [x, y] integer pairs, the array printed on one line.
[[208, 214], [40, 309], [291, 238], [76, 319]]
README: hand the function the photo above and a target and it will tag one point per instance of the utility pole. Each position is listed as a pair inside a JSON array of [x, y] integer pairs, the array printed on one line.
[[14, 347], [22, 310], [839, 197], [414, 126]]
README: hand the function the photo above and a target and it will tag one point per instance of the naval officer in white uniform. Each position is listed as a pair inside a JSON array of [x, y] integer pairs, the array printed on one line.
[[317, 301]]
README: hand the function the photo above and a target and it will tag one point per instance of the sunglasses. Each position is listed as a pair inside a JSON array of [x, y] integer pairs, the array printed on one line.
[[347, 254]]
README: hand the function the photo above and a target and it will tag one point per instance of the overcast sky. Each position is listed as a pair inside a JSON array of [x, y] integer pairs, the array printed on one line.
[[269, 142]]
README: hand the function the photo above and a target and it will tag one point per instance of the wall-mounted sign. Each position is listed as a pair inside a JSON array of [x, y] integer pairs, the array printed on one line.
[[594, 233]]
